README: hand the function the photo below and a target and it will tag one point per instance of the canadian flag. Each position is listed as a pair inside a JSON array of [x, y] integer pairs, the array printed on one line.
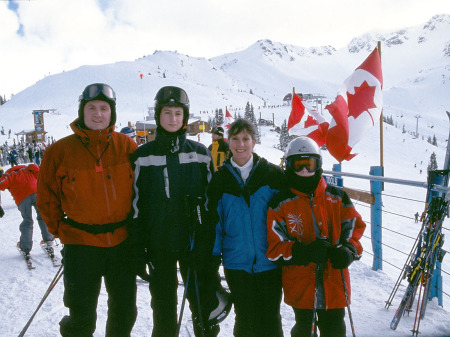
[[227, 120], [304, 120], [356, 109]]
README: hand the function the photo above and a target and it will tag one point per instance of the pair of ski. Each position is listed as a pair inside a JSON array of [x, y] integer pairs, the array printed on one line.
[[419, 269], [48, 250]]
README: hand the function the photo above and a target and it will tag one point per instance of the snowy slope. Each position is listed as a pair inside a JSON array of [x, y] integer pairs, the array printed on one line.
[[415, 60], [22, 289], [415, 84]]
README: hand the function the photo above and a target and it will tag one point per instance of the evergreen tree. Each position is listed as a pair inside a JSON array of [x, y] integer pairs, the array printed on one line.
[[432, 166], [284, 136], [248, 112], [434, 141], [219, 117]]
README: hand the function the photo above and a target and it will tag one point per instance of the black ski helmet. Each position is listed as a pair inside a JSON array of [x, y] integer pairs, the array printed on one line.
[[172, 96], [100, 92], [223, 308]]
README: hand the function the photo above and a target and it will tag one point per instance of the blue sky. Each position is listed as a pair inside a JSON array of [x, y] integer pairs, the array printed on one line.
[[45, 37]]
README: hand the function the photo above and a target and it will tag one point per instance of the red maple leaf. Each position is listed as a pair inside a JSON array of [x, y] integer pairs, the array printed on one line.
[[361, 101], [310, 121]]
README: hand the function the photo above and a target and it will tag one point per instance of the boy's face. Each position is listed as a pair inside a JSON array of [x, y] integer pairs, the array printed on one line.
[[171, 118]]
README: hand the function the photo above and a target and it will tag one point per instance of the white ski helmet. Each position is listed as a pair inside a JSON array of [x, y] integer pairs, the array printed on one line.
[[303, 146]]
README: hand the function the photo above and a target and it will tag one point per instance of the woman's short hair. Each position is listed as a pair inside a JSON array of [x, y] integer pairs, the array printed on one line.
[[240, 125]]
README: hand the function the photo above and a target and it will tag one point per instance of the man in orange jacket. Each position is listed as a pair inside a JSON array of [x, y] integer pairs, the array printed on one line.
[[21, 182], [84, 195]]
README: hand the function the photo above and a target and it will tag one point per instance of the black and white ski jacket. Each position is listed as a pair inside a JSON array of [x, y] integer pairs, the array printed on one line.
[[166, 171]]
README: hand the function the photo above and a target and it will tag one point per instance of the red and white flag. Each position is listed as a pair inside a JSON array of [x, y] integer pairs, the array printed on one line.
[[356, 109], [304, 120], [227, 120]]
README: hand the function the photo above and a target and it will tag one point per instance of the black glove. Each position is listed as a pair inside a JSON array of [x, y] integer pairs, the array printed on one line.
[[2, 212], [199, 258], [316, 252], [139, 261], [342, 256]]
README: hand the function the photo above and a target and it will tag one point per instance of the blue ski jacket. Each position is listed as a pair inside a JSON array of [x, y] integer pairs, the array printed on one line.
[[239, 210]]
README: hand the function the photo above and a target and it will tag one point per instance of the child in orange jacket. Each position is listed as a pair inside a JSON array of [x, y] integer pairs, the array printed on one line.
[[313, 232]]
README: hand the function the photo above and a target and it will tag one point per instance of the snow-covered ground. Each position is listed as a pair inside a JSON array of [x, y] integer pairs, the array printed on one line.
[[404, 157]]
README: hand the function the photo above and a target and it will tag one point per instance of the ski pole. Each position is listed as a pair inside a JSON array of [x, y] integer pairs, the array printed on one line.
[[316, 290], [55, 280], [199, 309], [348, 304], [183, 302]]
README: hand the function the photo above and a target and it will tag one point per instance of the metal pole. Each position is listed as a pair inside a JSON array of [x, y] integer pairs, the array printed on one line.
[[348, 304], [55, 280]]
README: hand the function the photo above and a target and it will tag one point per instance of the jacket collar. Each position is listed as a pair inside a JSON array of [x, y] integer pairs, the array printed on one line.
[[319, 190], [88, 136], [171, 141]]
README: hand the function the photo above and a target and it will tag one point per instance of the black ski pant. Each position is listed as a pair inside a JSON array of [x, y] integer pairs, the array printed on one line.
[[84, 268], [330, 322], [163, 288], [257, 299]]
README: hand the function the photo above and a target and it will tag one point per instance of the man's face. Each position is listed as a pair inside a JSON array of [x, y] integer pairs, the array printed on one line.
[[215, 137], [97, 115]]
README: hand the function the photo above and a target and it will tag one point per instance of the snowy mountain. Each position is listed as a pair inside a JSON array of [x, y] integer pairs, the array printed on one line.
[[415, 60], [416, 66]]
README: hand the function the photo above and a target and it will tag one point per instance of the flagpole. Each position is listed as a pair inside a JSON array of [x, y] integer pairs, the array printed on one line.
[[293, 93], [381, 123]]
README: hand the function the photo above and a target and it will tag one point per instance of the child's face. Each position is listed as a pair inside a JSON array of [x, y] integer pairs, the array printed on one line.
[[171, 118], [304, 173]]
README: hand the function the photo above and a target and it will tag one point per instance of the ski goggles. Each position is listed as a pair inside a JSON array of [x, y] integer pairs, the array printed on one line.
[[311, 163], [92, 91], [167, 94]]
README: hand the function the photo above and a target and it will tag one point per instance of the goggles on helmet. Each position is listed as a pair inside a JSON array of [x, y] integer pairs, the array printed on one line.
[[91, 92], [311, 163], [167, 94]]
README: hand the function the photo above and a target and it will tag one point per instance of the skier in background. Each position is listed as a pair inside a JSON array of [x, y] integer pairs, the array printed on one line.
[[84, 195], [21, 182], [13, 157], [219, 147], [313, 232]]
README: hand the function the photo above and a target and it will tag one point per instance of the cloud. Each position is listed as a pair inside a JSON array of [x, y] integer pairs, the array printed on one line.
[[59, 35]]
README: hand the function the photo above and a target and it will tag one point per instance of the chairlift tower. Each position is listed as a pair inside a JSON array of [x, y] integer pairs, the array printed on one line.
[[417, 125]]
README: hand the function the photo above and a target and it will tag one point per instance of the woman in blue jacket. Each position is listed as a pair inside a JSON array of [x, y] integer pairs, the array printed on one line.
[[238, 195]]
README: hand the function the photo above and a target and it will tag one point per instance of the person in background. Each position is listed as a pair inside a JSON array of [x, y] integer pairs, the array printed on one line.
[[313, 231], [170, 173], [21, 181], [84, 195], [129, 131], [13, 157], [219, 147], [238, 196]]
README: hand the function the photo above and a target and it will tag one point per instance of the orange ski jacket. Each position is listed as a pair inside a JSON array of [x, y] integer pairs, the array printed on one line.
[[291, 218], [87, 177]]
